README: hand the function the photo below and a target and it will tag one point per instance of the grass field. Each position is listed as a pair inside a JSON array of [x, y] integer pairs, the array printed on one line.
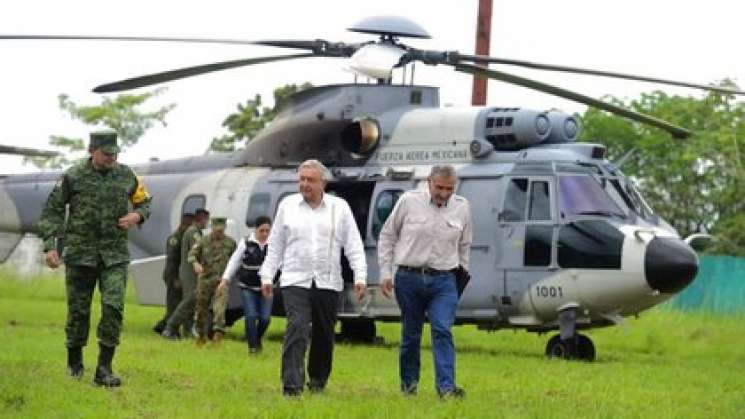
[[665, 364]]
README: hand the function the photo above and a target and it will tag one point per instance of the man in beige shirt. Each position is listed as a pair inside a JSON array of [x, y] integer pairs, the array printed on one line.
[[427, 236]]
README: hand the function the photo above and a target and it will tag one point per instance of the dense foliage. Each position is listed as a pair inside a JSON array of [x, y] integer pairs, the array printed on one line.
[[122, 114], [252, 116]]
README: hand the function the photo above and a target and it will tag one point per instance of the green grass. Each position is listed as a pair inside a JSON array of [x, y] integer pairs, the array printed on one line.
[[665, 364]]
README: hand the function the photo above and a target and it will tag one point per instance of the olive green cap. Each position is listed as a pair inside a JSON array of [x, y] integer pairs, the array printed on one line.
[[218, 222], [105, 140]]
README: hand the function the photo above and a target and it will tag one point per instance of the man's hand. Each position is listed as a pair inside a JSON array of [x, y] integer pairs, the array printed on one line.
[[223, 285], [130, 220], [266, 290], [52, 258], [198, 268], [359, 291], [387, 287], [177, 283]]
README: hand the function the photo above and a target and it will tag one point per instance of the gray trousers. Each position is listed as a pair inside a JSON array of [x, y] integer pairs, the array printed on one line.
[[311, 314]]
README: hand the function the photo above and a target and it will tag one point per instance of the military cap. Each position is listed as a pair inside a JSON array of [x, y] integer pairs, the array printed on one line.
[[187, 214], [201, 211], [219, 222], [105, 140]]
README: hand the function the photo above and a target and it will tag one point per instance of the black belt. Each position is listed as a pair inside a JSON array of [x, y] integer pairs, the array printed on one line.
[[424, 270]]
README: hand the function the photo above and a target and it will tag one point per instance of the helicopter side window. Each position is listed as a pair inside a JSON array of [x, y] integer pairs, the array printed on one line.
[[514, 200], [193, 203], [258, 205], [540, 203], [384, 204]]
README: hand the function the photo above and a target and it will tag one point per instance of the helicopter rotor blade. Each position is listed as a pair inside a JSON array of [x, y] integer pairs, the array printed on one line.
[[181, 73], [674, 130], [127, 38], [28, 152], [550, 67]]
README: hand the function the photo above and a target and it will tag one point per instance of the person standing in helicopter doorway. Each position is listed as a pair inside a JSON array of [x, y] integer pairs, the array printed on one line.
[[92, 207], [244, 265]]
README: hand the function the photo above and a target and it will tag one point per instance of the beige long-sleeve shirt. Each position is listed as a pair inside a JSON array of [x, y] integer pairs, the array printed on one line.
[[418, 233]]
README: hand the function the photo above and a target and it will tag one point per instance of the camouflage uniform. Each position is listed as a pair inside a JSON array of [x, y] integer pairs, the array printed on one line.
[[184, 312], [95, 248], [171, 275], [212, 253]]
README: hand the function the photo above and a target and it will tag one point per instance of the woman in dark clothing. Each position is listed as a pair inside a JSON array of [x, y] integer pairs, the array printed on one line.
[[244, 266]]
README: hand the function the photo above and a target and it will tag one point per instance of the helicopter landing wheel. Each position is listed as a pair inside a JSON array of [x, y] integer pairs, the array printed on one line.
[[585, 348], [581, 348]]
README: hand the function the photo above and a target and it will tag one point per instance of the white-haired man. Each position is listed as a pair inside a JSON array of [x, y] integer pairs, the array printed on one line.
[[310, 229]]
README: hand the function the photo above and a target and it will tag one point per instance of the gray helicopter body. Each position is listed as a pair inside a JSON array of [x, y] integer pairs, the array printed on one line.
[[562, 239], [556, 226]]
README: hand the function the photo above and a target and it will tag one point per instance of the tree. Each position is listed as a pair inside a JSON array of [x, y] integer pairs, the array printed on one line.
[[121, 114], [252, 117], [695, 184]]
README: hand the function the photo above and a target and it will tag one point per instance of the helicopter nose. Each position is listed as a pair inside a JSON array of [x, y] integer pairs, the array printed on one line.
[[669, 264]]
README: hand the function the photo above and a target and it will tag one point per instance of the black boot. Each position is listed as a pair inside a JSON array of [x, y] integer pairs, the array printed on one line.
[[75, 362], [104, 375]]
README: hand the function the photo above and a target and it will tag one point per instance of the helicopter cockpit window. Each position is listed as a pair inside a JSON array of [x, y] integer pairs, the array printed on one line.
[[540, 202], [384, 204], [514, 200], [582, 195], [642, 208], [193, 203], [258, 205]]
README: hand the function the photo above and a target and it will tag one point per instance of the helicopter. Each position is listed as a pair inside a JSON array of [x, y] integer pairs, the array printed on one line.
[[563, 239]]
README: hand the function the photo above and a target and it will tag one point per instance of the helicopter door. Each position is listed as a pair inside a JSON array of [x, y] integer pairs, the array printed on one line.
[[480, 296], [384, 198], [525, 228]]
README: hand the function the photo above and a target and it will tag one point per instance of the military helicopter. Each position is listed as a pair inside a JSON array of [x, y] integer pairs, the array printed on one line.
[[563, 239]]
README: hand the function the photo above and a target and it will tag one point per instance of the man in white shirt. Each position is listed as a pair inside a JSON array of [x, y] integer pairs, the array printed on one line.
[[426, 237], [309, 232]]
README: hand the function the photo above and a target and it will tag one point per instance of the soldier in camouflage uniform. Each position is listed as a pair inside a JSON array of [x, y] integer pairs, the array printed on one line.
[[210, 257], [92, 206], [184, 313], [170, 271]]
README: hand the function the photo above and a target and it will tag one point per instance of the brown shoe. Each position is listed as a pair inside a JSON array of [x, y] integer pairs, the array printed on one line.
[[201, 340], [217, 337]]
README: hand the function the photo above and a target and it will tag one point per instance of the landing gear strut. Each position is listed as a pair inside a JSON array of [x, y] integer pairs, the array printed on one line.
[[569, 344]]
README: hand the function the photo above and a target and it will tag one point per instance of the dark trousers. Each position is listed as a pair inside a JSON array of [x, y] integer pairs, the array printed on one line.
[[311, 314], [173, 298], [80, 282]]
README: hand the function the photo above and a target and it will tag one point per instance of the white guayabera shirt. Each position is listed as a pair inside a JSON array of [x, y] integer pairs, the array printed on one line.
[[307, 243]]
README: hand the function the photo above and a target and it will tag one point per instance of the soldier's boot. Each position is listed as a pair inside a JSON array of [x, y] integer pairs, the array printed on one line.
[[104, 375], [217, 337], [75, 362], [201, 340]]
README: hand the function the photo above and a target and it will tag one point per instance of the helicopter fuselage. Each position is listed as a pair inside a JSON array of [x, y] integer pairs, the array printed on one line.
[[556, 225]]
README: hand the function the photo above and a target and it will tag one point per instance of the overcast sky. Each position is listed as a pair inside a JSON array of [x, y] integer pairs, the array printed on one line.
[[686, 40]]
